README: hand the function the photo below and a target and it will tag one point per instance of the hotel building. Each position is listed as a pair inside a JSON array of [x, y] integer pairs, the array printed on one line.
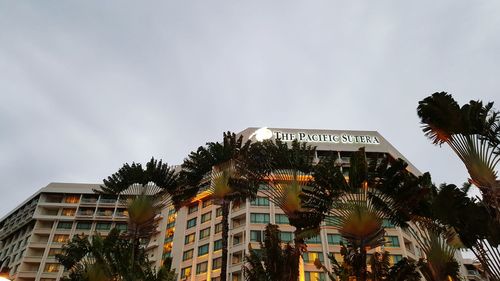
[[34, 232]]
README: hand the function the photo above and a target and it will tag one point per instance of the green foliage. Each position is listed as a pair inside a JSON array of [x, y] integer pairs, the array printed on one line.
[[273, 261], [404, 270]]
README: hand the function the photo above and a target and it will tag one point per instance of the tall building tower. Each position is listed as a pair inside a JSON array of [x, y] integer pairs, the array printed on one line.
[[196, 245]]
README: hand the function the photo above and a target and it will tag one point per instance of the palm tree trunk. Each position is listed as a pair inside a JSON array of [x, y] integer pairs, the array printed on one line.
[[363, 263], [225, 238], [299, 245]]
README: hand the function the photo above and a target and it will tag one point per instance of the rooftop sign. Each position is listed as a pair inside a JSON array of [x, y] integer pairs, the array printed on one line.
[[265, 133]]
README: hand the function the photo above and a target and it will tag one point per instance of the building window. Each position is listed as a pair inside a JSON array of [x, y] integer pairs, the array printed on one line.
[[310, 257], [186, 272], [72, 199], [334, 239], [217, 245], [103, 226], [54, 251], [218, 227], [218, 212], [393, 259], [259, 218], [191, 223], [193, 208], [391, 241], [237, 258], [203, 250], [121, 226], [281, 219], [201, 268], [216, 263], [255, 235], [51, 267], [60, 238], [286, 236], [206, 203], [314, 276], [204, 233], [83, 225], [189, 239], [332, 221], [387, 223], [206, 217], [313, 240], [187, 255], [64, 225], [260, 201], [68, 212]]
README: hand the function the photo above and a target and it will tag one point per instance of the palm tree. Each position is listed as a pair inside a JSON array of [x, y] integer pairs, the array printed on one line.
[[145, 191], [273, 261], [404, 270], [227, 172], [109, 258], [473, 133]]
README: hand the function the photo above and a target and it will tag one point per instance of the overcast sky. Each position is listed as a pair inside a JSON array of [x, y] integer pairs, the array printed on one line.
[[86, 86]]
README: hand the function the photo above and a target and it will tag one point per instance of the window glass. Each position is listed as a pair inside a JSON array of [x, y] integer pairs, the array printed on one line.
[[391, 241], [216, 263], [83, 225], [103, 226], [193, 208], [189, 239], [218, 228], [206, 217], [256, 235], [203, 250], [310, 257], [204, 233], [201, 268], [259, 218], [64, 225], [218, 212], [207, 203], [187, 255], [191, 223], [281, 219], [313, 240], [217, 245], [314, 276], [286, 236], [186, 272], [334, 239], [260, 201]]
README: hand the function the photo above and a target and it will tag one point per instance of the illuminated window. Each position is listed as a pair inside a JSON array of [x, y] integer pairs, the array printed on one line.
[[191, 223], [189, 239], [314, 276], [201, 268], [72, 199], [259, 218], [310, 257], [260, 201], [204, 233], [217, 245], [60, 238], [281, 219], [203, 250], [51, 267], [391, 241], [206, 217], [393, 259], [216, 263], [187, 255], [186, 272], [68, 212]]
